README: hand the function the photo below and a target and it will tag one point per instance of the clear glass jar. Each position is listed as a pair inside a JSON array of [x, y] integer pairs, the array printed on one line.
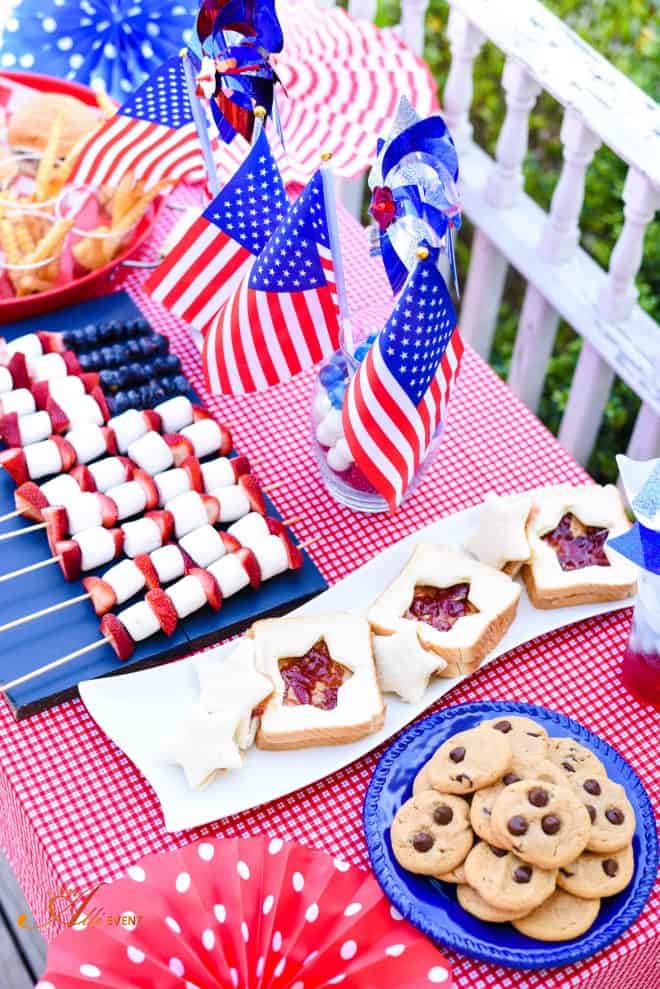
[[640, 671]]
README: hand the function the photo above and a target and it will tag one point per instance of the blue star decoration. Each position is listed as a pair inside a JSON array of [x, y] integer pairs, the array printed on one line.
[[110, 45]]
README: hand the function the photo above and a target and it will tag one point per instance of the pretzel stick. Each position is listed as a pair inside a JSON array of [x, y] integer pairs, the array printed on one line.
[[24, 237], [47, 163], [123, 197], [49, 245]]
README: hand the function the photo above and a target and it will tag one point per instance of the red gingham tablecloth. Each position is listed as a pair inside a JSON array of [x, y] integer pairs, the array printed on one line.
[[75, 811]]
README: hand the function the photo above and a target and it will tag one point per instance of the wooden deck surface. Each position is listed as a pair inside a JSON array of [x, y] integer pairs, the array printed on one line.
[[22, 953]]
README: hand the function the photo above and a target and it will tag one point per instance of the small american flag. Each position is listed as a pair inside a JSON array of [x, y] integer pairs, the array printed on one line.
[[203, 270], [283, 317], [399, 395], [153, 135]]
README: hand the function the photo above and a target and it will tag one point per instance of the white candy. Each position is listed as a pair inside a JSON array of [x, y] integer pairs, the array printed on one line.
[[20, 401], [81, 409], [330, 428], [337, 459], [126, 579], [203, 545], [128, 427], [324, 434], [129, 498], [34, 428], [234, 503], [61, 489], [187, 595], [29, 344], [141, 536], [45, 367], [271, 556], [139, 621], [83, 512], [230, 574], [176, 413], [322, 405], [205, 437], [251, 530], [218, 473], [168, 563], [188, 511], [171, 483], [42, 458], [65, 389], [6, 380], [151, 453], [88, 441], [97, 546], [108, 473]]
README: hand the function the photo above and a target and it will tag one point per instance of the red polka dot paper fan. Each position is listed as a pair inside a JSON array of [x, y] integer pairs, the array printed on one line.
[[243, 913]]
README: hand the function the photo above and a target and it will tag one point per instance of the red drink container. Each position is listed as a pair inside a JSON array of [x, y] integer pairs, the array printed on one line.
[[640, 671]]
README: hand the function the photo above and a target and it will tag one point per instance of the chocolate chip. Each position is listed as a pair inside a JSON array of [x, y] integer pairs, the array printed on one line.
[[534, 734], [457, 754], [538, 797], [567, 766], [499, 852], [510, 778], [463, 778], [517, 825], [614, 815], [550, 824], [522, 874], [503, 726], [422, 841], [610, 867], [592, 787], [442, 814], [592, 812]]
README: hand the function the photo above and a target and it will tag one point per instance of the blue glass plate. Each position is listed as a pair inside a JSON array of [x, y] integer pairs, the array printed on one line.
[[432, 906]]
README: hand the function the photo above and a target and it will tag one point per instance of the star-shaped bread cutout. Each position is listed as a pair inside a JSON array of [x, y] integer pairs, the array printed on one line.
[[404, 667], [204, 744], [233, 685], [500, 538]]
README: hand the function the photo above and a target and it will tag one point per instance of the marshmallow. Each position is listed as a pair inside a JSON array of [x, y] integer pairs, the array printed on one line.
[[234, 503], [128, 427], [6, 380], [60, 490], [29, 344], [64, 389], [125, 578], [45, 367], [168, 563], [82, 408], [218, 473], [34, 428], [42, 458], [171, 483], [230, 574], [187, 595], [20, 401], [151, 453], [205, 437], [88, 441], [139, 621], [83, 512], [330, 428], [141, 536], [203, 545], [271, 556], [337, 458], [129, 498], [108, 473], [251, 530], [175, 413], [189, 513], [97, 546], [321, 405]]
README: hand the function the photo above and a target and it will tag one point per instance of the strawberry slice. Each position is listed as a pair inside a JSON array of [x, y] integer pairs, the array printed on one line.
[[67, 453], [230, 543], [194, 472], [84, 477], [225, 440], [129, 467], [110, 440], [30, 501], [41, 394], [165, 522], [212, 506], [57, 518], [102, 596], [180, 446], [294, 555], [109, 514], [90, 380], [149, 488], [70, 556], [14, 462], [99, 398], [240, 466], [148, 570], [163, 608], [71, 361], [254, 493], [17, 367], [250, 565], [59, 421], [120, 640], [118, 539], [199, 412], [9, 429], [153, 419], [188, 562], [51, 342], [210, 587], [275, 527]]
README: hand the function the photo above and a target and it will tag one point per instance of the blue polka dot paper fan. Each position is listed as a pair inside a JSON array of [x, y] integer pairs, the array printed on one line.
[[110, 45]]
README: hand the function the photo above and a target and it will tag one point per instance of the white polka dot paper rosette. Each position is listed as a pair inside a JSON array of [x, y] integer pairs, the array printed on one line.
[[244, 913]]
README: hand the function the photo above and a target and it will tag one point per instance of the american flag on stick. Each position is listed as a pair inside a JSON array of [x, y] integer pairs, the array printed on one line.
[[152, 135], [399, 395], [284, 316], [205, 267]]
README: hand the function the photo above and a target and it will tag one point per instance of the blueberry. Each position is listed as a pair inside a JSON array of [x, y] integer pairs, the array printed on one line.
[[156, 393], [106, 332], [142, 325], [121, 403], [109, 380], [180, 385], [133, 395], [329, 374]]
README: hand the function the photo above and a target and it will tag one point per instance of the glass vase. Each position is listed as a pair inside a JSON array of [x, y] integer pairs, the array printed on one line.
[[640, 671]]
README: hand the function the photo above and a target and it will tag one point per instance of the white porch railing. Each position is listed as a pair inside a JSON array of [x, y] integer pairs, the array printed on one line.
[[563, 281]]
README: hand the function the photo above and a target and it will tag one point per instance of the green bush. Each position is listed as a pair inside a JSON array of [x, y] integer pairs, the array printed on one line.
[[623, 31]]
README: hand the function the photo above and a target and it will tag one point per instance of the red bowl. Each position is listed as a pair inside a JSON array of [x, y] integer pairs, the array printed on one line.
[[94, 282]]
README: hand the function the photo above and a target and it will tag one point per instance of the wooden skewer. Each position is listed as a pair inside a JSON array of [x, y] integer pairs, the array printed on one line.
[[29, 569], [23, 532], [53, 666], [310, 542], [10, 515]]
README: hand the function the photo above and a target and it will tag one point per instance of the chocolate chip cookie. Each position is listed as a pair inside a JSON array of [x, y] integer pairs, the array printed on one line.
[[612, 817], [528, 740], [469, 761], [597, 874], [544, 823], [571, 757], [505, 881], [431, 833], [561, 917], [470, 900], [421, 781]]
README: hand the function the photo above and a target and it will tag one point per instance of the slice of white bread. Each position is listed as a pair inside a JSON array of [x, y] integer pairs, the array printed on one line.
[[472, 636], [360, 709], [547, 584]]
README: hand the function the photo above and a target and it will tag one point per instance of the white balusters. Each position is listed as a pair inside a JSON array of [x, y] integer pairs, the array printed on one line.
[[506, 180], [587, 398], [641, 200], [537, 328], [413, 16], [465, 40], [482, 294], [645, 440]]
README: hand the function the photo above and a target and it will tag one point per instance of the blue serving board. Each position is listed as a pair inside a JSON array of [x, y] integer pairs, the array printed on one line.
[[432, 905], [27, 647]]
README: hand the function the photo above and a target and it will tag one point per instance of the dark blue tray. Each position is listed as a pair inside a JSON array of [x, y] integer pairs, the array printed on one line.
[[25, 648], [432, 906]]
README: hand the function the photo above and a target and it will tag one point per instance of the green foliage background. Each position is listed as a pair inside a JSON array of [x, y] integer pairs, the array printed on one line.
[[626, 33]]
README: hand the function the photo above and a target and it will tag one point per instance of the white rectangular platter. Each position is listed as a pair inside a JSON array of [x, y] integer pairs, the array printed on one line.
[[137, 710]]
